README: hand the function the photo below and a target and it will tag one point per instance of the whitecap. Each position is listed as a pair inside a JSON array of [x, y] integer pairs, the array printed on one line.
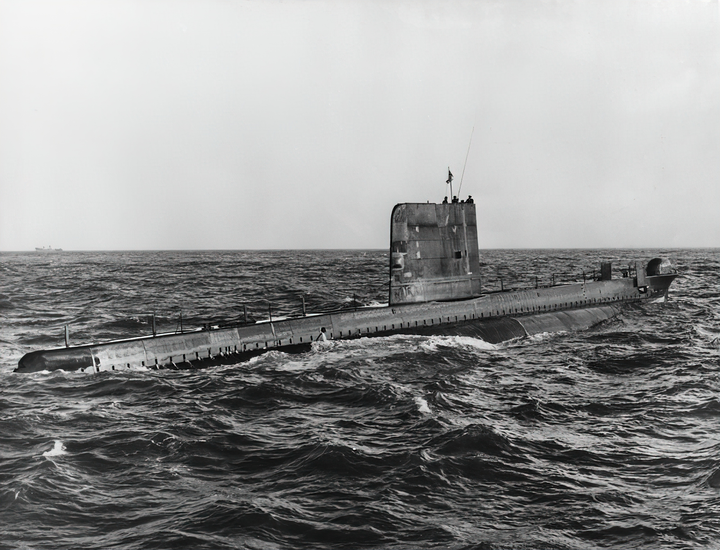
[[432, 343], [422, 405], [57, 450], [541, 336]]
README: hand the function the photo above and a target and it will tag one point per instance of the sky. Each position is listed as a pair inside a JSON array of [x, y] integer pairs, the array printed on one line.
[[249, 124]]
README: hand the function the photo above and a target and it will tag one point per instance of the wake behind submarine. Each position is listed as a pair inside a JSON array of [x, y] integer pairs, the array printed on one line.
[[435, 288]]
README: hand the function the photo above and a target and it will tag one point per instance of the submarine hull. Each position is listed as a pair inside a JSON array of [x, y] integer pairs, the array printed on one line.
[[495, 317], [435, 288]]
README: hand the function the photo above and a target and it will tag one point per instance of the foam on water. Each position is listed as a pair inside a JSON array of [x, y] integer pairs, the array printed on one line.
[[422, 405], [540, 336], [57, 450], [433, 343]]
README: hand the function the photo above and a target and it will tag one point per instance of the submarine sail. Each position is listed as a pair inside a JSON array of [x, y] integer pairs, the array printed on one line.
[[433, 253]]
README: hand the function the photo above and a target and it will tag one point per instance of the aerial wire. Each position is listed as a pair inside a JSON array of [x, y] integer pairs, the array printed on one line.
[[466, 159]]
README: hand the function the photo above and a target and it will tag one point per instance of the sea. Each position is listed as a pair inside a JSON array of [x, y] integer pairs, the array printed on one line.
[[604, 438]]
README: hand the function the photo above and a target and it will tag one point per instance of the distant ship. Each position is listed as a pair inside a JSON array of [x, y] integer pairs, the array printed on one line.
[[435, 288], [49, 249]]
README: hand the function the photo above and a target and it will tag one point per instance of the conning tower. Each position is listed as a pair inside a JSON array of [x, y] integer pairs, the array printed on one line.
[[433, 252]]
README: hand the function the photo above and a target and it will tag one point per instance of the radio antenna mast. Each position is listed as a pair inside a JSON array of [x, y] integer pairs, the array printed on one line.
[[466, 157]]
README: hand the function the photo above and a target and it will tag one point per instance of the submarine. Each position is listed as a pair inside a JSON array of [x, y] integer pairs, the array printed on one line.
[[435, 288]]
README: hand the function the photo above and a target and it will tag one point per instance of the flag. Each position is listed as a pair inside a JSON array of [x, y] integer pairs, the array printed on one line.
[[449, 180]]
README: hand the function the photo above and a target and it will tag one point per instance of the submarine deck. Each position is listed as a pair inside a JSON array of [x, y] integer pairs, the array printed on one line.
[[495, 317]]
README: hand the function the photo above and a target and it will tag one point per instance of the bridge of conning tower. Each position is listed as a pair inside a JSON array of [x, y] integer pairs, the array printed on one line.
[[433, 252]]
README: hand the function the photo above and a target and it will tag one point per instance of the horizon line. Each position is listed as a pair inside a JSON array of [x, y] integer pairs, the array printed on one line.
[[62, 251]]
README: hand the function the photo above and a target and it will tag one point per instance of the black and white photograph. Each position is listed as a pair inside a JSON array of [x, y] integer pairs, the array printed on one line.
[[381, 274]]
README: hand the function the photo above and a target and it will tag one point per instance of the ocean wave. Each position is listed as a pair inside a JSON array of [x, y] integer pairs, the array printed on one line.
[[600, 438]]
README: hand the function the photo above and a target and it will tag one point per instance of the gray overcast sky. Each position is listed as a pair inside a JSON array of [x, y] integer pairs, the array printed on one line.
[[231, 124]]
